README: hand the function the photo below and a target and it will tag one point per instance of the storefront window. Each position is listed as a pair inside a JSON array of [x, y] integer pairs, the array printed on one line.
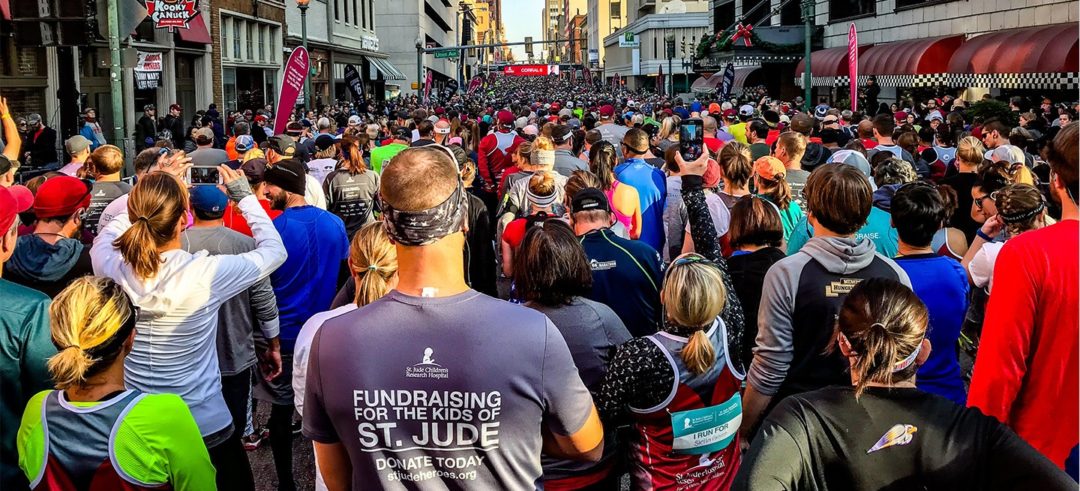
[[228, 81]]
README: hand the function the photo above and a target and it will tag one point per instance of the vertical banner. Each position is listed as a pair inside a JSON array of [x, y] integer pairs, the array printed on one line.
[[853, 65], [475, 83], [727, 82], [352, 81], [292, 82], [427, 87]]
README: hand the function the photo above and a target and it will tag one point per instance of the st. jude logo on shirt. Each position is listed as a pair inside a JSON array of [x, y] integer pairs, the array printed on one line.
[[427, 368]]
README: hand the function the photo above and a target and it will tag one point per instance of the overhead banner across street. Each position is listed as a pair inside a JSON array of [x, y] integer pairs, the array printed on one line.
[[531, 70]]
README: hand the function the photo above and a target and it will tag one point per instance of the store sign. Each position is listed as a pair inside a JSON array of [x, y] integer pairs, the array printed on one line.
[[629, 40], [292, 82], [531, 70], [148, 71], [369, 43], [171, 13]]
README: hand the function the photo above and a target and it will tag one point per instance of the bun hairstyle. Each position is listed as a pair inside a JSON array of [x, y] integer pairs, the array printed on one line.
[[374, 258], [735, 161], [524, 152], [542, 184], [90, 321], [1021, 207], [155, 207], [970, 150], [885, 324], [693, 296]]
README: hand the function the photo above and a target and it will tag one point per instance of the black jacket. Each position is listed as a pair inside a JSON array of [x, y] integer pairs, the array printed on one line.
[[748, 276], [480, 249], [175, 126], [145, 129], [42, 147]]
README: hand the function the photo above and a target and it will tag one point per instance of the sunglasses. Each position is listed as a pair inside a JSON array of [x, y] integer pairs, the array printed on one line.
[[979, 201]]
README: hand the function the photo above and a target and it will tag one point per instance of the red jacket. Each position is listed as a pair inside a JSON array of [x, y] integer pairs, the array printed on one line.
[[494, 156], [1027, 372]]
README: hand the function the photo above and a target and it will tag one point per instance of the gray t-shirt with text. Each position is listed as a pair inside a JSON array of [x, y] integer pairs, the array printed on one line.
[[442, 392]]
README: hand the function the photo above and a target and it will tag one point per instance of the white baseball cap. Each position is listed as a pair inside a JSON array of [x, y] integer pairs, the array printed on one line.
[[746, 110], [354, 120]]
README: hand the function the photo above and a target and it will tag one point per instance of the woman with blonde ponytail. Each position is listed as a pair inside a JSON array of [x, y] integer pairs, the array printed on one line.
[[178, 295], [373, 264], [680, 386], [149, 440], [881, 430]]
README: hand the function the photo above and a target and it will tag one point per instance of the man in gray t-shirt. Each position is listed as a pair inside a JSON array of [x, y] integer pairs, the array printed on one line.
[[435, 385]]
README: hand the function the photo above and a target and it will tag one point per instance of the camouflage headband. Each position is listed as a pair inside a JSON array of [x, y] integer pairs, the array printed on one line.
[[423, 227]]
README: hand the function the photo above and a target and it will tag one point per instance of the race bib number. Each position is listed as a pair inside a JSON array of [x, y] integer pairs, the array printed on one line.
[[706, 430]]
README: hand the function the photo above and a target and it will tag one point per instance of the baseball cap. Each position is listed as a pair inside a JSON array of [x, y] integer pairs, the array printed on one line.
[[505, 117], [607, 111], [294, 128], [521, 122], [205, 133], [746, 110], [289, 175], [325, 141], [820, 111], [354, 120], [76, 144], [61, 196], [531, 130], [830, 119], [244, 143], [442, 130], [802, 123], [711, 177], [208, 198], [714, 108], [561, 134], [589, 199], [261, 118], [149, 107], [900, 116], [1006, 153], [936, 115], [769, 168], [254, 171], [730, 113], [282, 144], [13, 200], [852, 158]]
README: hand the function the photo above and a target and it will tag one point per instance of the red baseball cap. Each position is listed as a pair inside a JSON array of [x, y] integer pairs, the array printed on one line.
[[730, 114], [505, 117], [61, 196], [606, 111], [711, 177], [13, 200]]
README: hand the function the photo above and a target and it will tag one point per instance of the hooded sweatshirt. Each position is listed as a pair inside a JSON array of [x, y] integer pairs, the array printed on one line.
[[801, 295], [46, 267]]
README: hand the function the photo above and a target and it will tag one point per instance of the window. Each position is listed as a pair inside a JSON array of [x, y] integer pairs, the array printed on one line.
[[235, 27], [724, 16], [845, 9], [754, 12], [902, 4], [616, 10], [363, 14], [224, 38], [251, 28], [262, 43], [791, 14], [355, 17], [337, 10], [347, 11]]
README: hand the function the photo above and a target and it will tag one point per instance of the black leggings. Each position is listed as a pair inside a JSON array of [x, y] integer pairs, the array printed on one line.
[[231, 462], [280, 425]]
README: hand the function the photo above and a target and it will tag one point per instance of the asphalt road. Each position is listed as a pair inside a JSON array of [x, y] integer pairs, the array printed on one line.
[[262, 460]]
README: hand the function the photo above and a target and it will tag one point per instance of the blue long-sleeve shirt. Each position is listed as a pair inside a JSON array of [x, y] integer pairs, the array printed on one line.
[[627, 275]]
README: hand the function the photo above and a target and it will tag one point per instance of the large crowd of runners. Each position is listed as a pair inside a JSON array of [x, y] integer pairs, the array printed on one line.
[[541, 285]]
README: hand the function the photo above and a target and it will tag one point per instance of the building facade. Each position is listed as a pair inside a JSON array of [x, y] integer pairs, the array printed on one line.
[[654, 24], [951, 46], [402, 24], [604, 18], [248, 53]]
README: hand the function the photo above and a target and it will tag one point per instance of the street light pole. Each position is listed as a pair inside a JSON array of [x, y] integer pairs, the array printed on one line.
[[808, 24], [116, 93], [303, 6]]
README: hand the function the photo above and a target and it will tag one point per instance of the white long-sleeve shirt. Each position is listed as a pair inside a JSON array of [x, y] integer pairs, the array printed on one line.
[[175, 350]]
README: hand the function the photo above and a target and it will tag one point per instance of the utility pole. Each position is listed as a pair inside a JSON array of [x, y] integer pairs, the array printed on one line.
[[808, 25], [116, 90]]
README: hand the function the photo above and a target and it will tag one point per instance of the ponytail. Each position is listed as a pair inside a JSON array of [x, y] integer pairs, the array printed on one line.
[[699, 354], [374, 261], [693, 296], [780, 194], [155, 206], [885, 323], [90, 321]]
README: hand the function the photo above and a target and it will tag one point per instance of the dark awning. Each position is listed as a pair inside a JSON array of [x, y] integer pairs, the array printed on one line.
[[387, 69], [741, 74]]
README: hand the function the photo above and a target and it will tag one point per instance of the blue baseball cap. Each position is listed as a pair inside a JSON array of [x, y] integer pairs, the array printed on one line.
[[244, 143], [208, 199]]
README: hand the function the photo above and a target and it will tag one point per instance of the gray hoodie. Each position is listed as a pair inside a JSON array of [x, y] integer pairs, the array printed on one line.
[[800, 298]]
